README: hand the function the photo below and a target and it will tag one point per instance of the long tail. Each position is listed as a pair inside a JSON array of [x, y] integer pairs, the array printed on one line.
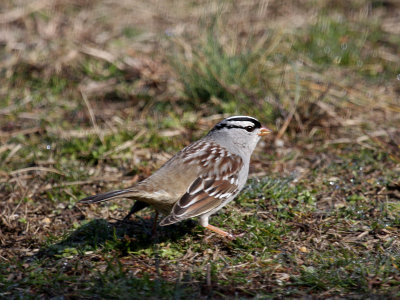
[[106, 196]]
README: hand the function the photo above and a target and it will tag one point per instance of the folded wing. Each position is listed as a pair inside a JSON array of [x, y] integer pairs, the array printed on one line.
[[207, 192]]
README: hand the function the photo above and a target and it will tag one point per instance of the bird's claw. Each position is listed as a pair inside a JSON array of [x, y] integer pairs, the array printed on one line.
[[233, 237]]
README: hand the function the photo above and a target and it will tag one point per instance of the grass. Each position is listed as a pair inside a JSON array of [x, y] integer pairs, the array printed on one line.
[[235, 76], [89, 104], [340, 41]]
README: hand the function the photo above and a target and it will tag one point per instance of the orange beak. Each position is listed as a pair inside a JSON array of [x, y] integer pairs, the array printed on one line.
[[264, 131]]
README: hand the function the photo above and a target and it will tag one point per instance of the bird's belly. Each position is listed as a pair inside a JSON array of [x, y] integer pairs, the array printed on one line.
[[161, 200]]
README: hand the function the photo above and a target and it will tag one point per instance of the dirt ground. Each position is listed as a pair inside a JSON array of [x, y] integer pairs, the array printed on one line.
[[96, 95]]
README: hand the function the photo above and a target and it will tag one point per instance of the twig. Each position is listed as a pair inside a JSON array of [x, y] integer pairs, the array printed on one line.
[[42, 169], [11, 108], [12, 152], [362, 138], [92, 117], [104, 55], [285, 125], [20, 12], [125, 145], [289, 118], [81, 133], [20, 132], [208, 280], [82, 182]]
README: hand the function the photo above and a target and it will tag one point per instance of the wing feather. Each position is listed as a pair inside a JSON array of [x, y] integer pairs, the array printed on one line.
[[208, 191]]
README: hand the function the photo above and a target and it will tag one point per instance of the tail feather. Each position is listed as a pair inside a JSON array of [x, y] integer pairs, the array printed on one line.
[[105, 196], [168, 220]]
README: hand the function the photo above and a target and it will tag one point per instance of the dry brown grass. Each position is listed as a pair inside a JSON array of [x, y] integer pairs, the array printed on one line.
[[90, 101]]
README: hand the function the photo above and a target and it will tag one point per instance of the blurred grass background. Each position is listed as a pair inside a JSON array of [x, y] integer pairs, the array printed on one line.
[[96, 95]]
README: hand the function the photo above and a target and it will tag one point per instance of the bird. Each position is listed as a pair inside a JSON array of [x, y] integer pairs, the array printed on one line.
[[200, 179]]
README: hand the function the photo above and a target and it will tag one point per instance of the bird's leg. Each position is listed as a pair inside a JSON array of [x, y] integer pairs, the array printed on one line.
[[127, 217], [220, 231], [154, 229], [139, 205]]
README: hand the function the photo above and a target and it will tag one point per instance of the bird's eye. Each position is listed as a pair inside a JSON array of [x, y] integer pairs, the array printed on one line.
[[249, 128]]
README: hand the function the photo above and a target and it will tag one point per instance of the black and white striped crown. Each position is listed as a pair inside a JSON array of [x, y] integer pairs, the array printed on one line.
[[241, 122]]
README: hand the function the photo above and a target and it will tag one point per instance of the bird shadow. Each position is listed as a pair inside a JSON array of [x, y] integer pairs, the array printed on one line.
[[124, 236]]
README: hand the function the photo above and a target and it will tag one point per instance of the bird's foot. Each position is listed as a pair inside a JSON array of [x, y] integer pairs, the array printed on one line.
[[224, 233], [126, 218]]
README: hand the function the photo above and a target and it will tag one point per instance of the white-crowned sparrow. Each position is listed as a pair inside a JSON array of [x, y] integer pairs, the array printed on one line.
[[200, 179]]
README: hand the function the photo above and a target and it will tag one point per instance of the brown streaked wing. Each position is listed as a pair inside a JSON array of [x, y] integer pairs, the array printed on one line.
[[201, 202], [216, 183], [207, 192]]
